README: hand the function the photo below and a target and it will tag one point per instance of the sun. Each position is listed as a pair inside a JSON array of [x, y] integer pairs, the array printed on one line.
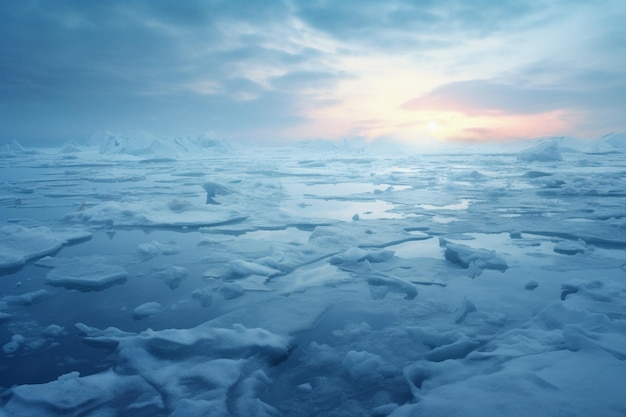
[[433, 126]]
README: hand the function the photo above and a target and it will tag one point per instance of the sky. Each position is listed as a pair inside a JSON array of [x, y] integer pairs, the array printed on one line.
[[421, 70]]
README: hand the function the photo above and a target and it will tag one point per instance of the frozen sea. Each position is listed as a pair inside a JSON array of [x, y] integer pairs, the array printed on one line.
[[193, 277]]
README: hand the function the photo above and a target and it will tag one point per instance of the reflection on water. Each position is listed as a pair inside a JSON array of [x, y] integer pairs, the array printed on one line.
[[340, 209], [462, 205]]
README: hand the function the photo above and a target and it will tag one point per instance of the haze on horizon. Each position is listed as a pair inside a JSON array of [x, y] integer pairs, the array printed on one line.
[[283, 70]]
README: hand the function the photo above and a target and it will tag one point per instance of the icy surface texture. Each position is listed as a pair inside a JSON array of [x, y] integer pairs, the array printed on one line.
[[143, 276]]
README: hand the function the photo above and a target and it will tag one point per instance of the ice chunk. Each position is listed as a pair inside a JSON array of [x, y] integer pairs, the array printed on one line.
[[461, 313], [212, 189], [154, 249], [240, 268], [561, 382], [72, 235], [153, 214], [456, 350], [18, 244], [570, 247], [53, 330], [28, 298], [203, 295], [598, 289], [107, 338], [72, 394], [542, 152], [381, 283], [88, 273], [206, 340], [231, 290], [171, 275], [323, 356], [11, 347], [146, 310], [355, 254], [366, 367], [473, 259]]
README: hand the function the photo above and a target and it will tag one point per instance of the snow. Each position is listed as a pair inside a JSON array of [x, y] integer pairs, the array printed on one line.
[[144, 276]]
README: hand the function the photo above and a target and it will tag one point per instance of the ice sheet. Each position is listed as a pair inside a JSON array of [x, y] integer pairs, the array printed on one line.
[[320, 279]]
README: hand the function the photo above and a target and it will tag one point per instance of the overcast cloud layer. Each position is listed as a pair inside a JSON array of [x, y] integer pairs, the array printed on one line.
[[282, 70]]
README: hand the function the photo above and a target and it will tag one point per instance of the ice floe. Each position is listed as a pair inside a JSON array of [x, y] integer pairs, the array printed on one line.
[[91, 273], [171, 275], [322, 278], [199, 371], [159, 214], [146, 310], [19, 244], [474, 260]]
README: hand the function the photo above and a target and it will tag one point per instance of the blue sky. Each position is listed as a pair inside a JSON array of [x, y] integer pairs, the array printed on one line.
[[284, 70]]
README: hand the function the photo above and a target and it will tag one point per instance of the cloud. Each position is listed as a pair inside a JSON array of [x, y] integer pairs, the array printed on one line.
[[423, 25], [478, 97], [585, 104], [588, 91], [314, 67], [72, 57]]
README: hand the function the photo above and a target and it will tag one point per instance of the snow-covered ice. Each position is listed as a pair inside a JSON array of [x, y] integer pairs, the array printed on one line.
[[19, 244], [89, 273], [146, 310], [143, 276]]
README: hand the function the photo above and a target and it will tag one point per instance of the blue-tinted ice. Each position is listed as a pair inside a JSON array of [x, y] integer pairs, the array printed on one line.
[[192, 277]]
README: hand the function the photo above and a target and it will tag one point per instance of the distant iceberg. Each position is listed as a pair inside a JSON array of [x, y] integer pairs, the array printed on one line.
[[543, 152], [13, 149], [140, 143]]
